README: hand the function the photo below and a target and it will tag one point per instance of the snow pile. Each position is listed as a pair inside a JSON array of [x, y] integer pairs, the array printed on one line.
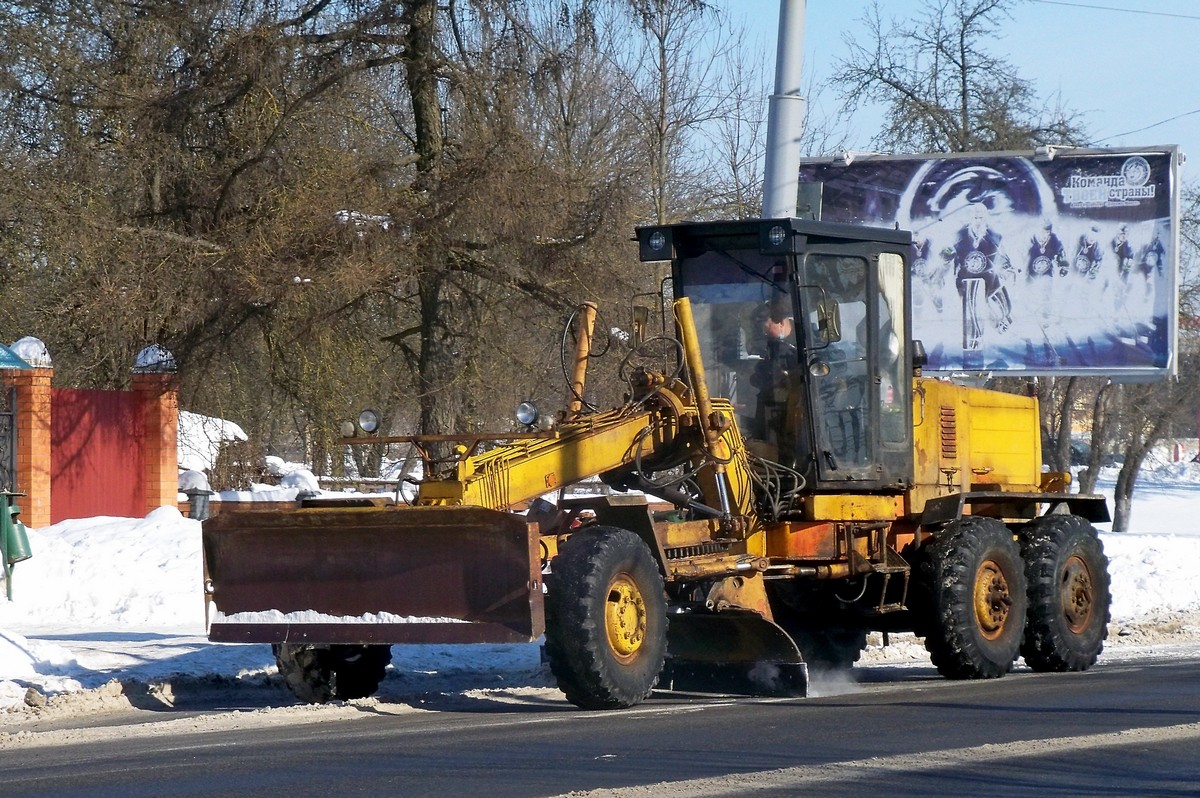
[[200, 439], [291, 475]]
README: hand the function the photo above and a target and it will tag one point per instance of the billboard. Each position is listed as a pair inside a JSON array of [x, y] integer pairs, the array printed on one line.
[[1062, 261]]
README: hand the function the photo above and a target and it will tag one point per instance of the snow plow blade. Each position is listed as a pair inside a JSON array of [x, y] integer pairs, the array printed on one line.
[[736, 652], [372, 575]]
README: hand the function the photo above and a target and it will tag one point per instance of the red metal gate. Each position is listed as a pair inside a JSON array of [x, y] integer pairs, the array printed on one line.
[[96, 454]]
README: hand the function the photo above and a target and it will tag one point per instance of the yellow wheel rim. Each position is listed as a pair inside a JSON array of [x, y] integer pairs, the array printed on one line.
[[992, 599], [1077, 594], [625, 618]]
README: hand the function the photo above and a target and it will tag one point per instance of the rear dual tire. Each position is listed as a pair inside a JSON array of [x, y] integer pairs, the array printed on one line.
[[1069, 594], [988, 598]]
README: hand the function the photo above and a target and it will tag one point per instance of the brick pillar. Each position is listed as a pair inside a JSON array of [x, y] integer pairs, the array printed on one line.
[[33, 441], [158, 396]]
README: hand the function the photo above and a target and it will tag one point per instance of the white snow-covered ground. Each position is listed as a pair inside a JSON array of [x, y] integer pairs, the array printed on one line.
[[108, 600]]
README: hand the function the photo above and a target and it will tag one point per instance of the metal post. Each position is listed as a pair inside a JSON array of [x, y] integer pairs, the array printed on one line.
[[5, 537], [785, 116], [14, 542]]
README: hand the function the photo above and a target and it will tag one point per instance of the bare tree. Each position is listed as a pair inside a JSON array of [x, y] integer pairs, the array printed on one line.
[[1147, 414], [321, 206], [941, 88], [676, 91], [182, 174], [1059, 400]]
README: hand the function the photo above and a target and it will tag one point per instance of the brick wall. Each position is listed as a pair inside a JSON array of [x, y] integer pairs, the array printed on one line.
[[159, 397], [33, 441]]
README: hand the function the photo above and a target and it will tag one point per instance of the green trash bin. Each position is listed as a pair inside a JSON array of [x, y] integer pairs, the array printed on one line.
[[14, 538]]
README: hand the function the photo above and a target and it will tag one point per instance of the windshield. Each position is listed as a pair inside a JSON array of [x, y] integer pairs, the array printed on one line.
[[744, 319]]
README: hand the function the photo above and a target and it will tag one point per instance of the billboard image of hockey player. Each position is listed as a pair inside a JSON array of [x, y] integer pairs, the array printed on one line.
[[1063, 263]]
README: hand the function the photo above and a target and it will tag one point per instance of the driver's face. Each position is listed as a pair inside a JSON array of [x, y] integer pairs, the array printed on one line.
[[778, 329]]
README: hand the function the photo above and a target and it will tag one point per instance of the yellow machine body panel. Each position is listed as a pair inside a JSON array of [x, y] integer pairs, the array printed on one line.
[[968, 438], [853, 507]]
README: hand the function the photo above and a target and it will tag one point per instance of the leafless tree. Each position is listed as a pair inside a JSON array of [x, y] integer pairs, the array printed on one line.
[[319, 206], [941, 88]]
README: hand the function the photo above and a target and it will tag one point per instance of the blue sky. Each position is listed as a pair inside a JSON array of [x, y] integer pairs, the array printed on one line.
[[1123, 70]]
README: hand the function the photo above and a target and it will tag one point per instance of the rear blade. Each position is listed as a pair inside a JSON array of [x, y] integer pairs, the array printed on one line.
[[373, 575], [732, 652]]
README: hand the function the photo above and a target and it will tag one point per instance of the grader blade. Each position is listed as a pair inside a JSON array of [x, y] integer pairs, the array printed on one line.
[[732, 652], [372, 575]]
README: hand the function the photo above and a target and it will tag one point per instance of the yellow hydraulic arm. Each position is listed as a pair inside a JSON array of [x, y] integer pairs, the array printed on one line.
[[666, 416]]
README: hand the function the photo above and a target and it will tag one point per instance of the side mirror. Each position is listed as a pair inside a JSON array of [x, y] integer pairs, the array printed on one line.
[[829, 321]]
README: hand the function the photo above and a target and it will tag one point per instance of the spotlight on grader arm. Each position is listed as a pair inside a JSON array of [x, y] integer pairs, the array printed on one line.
[[811, 487]]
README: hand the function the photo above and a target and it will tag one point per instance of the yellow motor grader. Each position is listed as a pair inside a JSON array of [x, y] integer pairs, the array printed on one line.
[[780, 481]]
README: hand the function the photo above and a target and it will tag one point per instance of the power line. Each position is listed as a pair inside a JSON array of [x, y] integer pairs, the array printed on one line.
[[1093, 7], [1148, 127], [1111, 8]]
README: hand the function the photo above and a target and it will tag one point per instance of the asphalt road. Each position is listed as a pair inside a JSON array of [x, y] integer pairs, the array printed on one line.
[[1121, 729]]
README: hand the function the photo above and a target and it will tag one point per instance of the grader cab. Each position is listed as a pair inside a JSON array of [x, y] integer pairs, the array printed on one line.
[[781, 481]]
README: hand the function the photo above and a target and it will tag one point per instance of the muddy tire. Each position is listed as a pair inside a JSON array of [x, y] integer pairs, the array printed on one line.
[[975, 583], [318, 674], [606, 623], [358, 670], [1069, 597], [306, 670]]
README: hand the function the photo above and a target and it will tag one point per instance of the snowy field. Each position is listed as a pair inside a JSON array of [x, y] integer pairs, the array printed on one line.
[[110, 606]]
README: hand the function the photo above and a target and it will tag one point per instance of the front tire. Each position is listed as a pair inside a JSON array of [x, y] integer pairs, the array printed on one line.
[[1069, 594], [976, 586], [606, 622]]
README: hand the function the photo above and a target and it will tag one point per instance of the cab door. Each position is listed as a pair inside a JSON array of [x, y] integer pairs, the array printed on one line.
[[859, 379]]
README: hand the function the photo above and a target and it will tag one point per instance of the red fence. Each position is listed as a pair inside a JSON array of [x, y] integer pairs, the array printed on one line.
[[96, 454]]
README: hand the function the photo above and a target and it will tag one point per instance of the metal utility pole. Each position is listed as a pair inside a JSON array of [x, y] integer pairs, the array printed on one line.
[[785, 116]]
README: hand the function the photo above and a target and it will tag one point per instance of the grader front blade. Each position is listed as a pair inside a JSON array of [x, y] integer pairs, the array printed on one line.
[[372, 575]]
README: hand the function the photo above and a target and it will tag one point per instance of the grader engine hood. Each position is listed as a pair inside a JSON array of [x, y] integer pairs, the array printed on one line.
[[369, 575]]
